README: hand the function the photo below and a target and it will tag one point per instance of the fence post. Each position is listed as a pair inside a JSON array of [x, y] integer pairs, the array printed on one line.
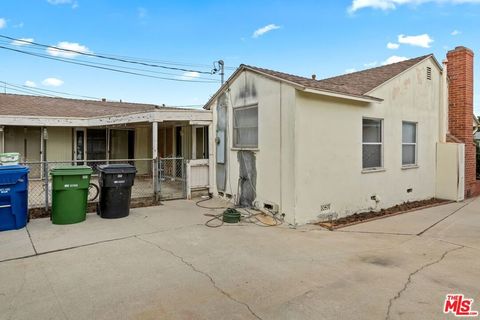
[[45, 176], [155, 177]]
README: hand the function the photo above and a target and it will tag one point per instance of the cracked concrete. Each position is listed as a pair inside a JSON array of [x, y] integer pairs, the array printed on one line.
[[163, 263], [410, 276], [212, 281]]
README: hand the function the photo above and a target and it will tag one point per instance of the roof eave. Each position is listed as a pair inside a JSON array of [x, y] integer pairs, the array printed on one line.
[[360, 98]]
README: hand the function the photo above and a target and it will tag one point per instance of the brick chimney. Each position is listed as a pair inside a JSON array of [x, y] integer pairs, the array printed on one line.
[[460, 111]]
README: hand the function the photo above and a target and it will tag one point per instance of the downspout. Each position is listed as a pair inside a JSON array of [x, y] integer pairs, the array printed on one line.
[[443, 125]]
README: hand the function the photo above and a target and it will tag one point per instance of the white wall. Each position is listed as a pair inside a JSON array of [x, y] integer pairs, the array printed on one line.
[[328, 152], [275, 153]]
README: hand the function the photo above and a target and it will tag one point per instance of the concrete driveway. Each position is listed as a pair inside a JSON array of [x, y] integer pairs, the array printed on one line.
[[163, 263]]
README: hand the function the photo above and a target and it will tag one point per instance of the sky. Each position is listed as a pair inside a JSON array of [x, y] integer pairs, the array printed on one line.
[[325, 38]]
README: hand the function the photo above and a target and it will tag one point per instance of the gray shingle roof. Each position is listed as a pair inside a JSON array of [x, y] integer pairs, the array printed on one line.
[[26, 105], [356, 83]]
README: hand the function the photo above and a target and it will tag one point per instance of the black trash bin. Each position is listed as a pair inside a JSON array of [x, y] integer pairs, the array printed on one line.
[[116, 181]]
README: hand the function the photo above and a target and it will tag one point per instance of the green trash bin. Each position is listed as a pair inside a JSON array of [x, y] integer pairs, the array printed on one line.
[[70, 193]]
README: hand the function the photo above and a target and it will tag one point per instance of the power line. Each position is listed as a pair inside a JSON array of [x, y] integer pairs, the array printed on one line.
[[114, 65], [35, 90], [103, 68], [27, 91], [103, 56]]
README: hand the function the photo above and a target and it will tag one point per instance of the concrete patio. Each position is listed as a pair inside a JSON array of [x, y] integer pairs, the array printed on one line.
[[163, 263]]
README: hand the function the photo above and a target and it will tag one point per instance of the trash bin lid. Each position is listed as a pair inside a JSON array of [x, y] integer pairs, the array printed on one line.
[[117, 168], [11, 174], [71, 171], [15, 167]]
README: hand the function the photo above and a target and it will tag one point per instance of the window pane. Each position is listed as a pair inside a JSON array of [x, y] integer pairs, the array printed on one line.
[[247, 117], [372, 156], [409, 132], [245, 123], [372, 130], [408, 154], [247, 137]]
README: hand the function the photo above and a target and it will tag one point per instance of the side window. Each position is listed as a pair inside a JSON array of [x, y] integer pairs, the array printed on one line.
[[409, 143], [245, 127], [372, 143]]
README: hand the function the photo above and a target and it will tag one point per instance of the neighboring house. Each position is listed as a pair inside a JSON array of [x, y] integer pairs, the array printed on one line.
[[362, 141], [57, 129]]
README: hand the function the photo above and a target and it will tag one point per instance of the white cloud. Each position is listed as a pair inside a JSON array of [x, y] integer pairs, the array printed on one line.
[[67, 46], [422, 40], [393, 4], [455, 32], [393, 46], [52, 82], [19, 25], [189, 75], [394, 59], [22, 42], [30, 83], [370, 64], [3, 23], [261, 31], [74, 3], [350, 70]]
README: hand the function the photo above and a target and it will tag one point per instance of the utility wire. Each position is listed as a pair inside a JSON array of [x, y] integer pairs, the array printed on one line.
[[40, 91], [27, 91], [104, 56], [115, 66], [103, 68]]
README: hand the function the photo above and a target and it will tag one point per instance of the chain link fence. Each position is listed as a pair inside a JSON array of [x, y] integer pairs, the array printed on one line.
[[173, 178], [144, 191]]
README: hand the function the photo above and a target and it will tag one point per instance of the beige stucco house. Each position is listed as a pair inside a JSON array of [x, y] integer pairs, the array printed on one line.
[[362, 141]]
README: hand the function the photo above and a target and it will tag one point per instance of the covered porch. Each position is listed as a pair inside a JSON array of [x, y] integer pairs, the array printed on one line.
[[166, 146]]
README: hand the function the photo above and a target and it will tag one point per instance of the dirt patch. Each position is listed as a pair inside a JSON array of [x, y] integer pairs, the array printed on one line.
[[373, 215]]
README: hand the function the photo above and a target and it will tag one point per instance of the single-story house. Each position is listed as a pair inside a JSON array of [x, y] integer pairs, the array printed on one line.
[[362, 141], [95, 132]]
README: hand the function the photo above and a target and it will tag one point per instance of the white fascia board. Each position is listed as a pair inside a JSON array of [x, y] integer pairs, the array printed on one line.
[[342, 96], [150, 116]]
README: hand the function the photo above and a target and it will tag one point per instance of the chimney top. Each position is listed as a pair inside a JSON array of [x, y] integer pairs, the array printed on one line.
[[314, 77]]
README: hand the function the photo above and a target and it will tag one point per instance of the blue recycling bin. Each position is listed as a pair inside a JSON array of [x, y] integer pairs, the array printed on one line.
[[13, 197]]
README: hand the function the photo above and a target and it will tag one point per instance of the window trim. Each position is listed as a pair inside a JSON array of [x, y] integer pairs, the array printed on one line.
[[235, 145], [415, 164], [381, 143]]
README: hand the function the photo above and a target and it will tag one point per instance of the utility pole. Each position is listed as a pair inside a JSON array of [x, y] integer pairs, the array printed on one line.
[[221, 64], [220, 70]]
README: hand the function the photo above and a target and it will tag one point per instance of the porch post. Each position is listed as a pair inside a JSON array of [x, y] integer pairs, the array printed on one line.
[[108, 145], [155, 158], [211, 158], [194, 142]]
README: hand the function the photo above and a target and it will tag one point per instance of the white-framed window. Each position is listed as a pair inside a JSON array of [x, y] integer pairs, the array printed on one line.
[[245, 126], [409, 143], [372, 144]]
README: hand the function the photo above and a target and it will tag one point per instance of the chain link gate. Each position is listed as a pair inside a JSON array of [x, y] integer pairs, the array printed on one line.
[[172, 176]]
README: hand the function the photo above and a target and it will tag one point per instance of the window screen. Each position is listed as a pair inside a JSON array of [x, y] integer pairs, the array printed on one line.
[[372, 144], [245, 127], [409, 143]]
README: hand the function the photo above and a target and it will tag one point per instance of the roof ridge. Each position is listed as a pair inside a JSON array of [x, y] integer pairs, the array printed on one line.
[[419, 58]]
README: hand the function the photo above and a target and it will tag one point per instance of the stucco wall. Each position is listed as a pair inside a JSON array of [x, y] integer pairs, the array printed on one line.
[[59, 144], [328, 152], [274, 155], [143, 149]]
